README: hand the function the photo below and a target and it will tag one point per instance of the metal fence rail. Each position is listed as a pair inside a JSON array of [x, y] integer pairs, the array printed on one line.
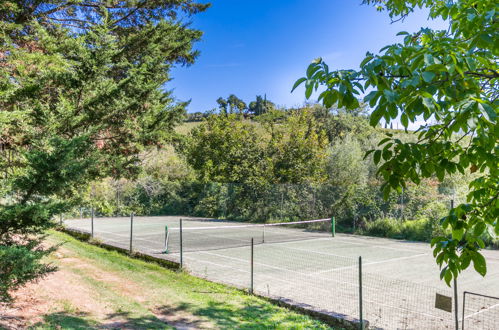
[[480, 312], [388, 287]]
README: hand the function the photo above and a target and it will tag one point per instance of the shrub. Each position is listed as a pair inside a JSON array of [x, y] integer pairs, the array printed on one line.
[[20, 264], [422, 229], [383, 227]]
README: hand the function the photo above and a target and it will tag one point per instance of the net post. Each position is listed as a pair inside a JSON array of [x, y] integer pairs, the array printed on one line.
[[81, 213], [60, 219], [361, 325], [263, 235], [131, 231], [166, 238], [456, 315], [251, 263], [333, 227], [181, 247], [92, 223]]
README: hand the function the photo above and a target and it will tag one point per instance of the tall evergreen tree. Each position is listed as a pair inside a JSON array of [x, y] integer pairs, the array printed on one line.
[[81, 95]]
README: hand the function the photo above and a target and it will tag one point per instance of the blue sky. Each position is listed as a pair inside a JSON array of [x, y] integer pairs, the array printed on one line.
[[257, 47]]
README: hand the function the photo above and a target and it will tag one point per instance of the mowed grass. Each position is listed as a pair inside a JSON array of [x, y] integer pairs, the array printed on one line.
[[137, 294]]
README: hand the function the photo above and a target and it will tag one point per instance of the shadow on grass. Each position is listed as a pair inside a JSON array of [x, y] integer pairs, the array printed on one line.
[[253, 315], [218, 314], [63, 320]]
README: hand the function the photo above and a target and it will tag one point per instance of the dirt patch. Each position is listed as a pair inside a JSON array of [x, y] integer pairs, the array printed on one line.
[[57, 292], [181, 320], [66, 292]]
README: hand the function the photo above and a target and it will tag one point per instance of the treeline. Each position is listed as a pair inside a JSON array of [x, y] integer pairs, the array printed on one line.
[[233, 105], [284, 165]]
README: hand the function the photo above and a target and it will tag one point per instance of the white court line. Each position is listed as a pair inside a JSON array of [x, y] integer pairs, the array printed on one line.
[[119, 235], [349, 241], [374, 263], [281, 269], [482, 311], [276, 278], [307, 275], [313, 251]]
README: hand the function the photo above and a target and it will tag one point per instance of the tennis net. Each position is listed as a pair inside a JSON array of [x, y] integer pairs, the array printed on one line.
[[217, 237]]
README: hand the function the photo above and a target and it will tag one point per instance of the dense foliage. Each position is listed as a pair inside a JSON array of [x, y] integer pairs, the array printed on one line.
[[452, 77], [233, 168], [81, 95]]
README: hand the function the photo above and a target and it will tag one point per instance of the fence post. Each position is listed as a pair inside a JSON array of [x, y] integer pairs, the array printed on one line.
[[251, 262], [92, 223], [60, 219], [360, 295], [263, 234], [456, 305], [166, 238], [181, 247], [131, 231], [464, 305]]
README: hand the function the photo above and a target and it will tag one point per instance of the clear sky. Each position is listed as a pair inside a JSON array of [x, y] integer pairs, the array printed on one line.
[[257, 47]]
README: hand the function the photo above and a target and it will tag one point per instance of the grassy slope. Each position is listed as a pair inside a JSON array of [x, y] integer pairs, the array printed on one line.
[[144, 295]]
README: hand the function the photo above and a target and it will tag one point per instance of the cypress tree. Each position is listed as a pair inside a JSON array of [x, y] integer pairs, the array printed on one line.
[[81, 95]]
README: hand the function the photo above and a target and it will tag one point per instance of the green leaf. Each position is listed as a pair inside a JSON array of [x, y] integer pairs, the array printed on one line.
[[383, 141], [448, 276], [458, 234], [428, 59], [298, 83], [488, 113], [404, 120], [387, 154], [330, 98], [308, 91], [376, 116], [368, 153], [377, 156], [366, 60], [391, 96], [479, 228], [370, 96], [465, 261], [479, 263], [428, 76], [428, 103], [312, 68]]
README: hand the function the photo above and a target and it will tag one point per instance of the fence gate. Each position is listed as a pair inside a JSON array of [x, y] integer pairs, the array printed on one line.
[[480, 312]]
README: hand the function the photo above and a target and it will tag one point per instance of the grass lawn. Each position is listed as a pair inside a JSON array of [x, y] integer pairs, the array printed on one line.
[[97, 288]]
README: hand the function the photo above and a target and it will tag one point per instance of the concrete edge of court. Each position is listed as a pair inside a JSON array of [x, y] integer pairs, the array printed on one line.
[[330, 318]]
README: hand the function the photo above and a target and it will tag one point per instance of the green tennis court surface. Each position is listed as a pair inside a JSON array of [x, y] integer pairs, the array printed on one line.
[[308, 267]]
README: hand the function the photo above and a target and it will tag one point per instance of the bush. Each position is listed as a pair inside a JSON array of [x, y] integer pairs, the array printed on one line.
[[384, 227], [20, 264], [417, 230], [422, 229]]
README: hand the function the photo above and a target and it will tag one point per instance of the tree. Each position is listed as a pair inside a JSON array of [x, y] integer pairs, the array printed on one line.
[[231, 105], [260, 106], [236, 105], [222, 105], [81, 96], [338, 123], [297, 149], [225, 149], [450, 76]]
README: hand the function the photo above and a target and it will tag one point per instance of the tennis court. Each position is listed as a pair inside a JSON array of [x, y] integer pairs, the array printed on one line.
[[305, 266]]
